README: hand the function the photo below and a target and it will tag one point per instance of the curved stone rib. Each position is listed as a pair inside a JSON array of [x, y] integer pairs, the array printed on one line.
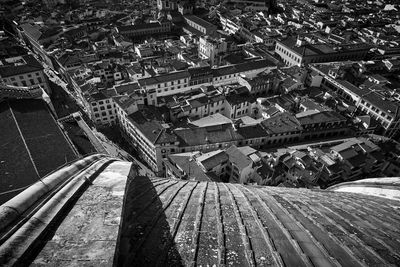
[[330, 225], [335, 248], [368, 244], [132, 256], [174, 229], [144, 192], [388, 228], [287, 252], [154, 198], [363, 253], [197, 225], [243, 231], [386, 221], [208, 250], [220, 229], [376, 201], [276, 258]]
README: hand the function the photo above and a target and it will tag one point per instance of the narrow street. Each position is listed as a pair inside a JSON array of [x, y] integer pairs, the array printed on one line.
[[116, 151]]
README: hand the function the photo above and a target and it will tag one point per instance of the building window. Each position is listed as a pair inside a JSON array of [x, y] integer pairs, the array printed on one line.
[[24, 83], [40, 80]]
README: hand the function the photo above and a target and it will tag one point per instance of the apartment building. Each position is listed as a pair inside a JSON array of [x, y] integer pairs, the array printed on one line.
[[139, 30], [148, 130], [375, 101], [182, 81], [298, 51], [102, 109], [109, 73], [328, 163], [358, 157], [229, 25], [154, 140], [212, 49], [322, 124], [167, 84], [204, 27], [23, 71], [230, 164], [239, 103], [259, 85], [233, 102], [145, 128], [196, 104]]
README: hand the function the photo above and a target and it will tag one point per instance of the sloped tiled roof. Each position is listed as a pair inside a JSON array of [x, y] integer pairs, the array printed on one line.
[[164, 78], [38, 33], [213, 134], [237, 157], [320, 117], [128, 28], [190, 167], [213, 159], [150, 122]]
